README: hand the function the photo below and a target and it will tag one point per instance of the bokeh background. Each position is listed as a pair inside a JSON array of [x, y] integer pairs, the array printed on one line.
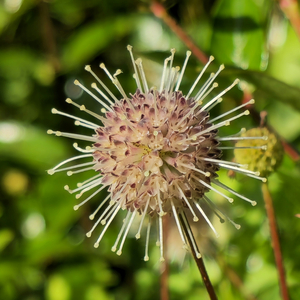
[[44, 46]]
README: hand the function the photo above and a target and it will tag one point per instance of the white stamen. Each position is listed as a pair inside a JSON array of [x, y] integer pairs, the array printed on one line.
[[191, 236], [126, 232], [235, 138], [76, 82], [88, 68], [142, 74], [195, 218], [136, 77], [92, 125], [86, 150], [160, 225], [125, 221], [225, 187], [206, 218], [92, 216], [96, 245], [73, 136], [164, 74], [211, 58], [88, 198], [232, 110], [178, 222], [215, 209], [53, 170], [188, 54], [146, 257], [138, 235], [219, 95], [213, 189]]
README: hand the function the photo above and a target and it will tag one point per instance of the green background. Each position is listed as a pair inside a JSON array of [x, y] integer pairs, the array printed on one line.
[[44, 46]]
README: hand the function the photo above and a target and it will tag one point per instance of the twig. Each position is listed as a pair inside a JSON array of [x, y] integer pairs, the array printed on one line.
[[164, 291], [159, 11], [291, 10], [199, 260], [275, 240]]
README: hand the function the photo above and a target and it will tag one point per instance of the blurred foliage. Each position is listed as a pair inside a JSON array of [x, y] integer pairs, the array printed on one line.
[[44, 47]]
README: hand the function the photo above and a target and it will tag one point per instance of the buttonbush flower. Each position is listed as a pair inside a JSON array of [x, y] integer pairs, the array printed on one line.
[[156, 151]]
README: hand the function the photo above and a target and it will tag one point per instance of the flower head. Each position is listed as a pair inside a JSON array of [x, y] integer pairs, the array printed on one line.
[[156, 151]]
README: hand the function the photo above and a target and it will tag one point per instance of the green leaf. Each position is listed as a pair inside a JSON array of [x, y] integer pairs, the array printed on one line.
[[238, 36]]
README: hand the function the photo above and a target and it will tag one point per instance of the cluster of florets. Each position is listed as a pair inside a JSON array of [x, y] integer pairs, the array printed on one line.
[[156, 151]]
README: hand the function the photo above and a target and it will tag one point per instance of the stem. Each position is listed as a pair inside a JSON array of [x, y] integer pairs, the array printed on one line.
[[164, 292], [160, 12], [199, 261], [275, 241]]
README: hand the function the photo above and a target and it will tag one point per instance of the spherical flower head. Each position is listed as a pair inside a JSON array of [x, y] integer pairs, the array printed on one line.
[[265, 155], [156, 151]]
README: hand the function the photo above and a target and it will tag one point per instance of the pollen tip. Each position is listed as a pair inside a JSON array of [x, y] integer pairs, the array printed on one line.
[[198, 255], [96, 245], [247, 112], [222, 67], [69, 173], [103, 222], [264, 179], [78, 196], [243, 130], [195, 219], [236, 81], [129, 47], [75, 145], [58, 133], [89, 234], [49, 131], [253, 203], [230, 200], [252, 101], [91, 217], [54, 110], [257, 173], [66, 187], [237, 226], [88, 68], [161, 259], [51, 172], [94, 85], [103, 110], [82, 107], [76, 82], [146, 258], [75, 207], [227, 123], [79, 184], [119, 252], [137, 236], [77, 123], [207, 174], [265, 137], [113, 248], [265, 147], [102, 66], [211, 58], [69, 100], [188, 53]]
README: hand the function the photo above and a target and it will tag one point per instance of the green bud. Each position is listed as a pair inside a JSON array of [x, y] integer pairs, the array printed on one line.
[[265, 159]]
